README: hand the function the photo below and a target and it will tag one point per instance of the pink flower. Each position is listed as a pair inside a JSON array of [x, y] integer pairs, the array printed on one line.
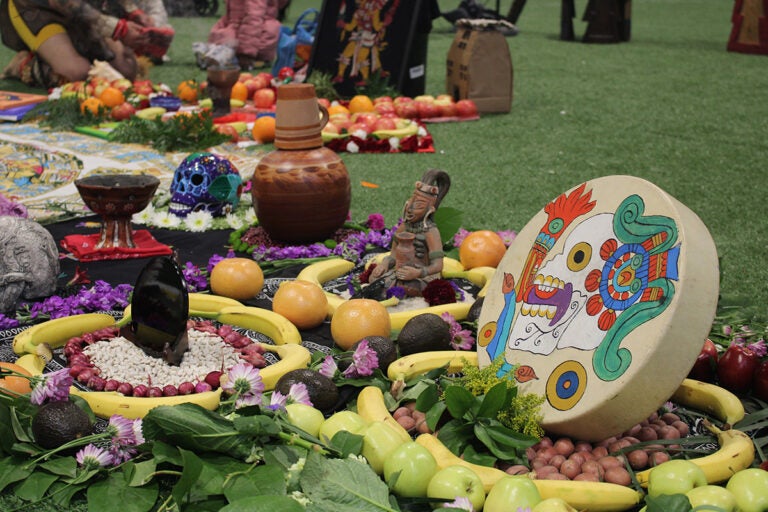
[[329, 367], [94, 457], [459, 237], [507, 236], [375, 221], [51, 387], [243, 379], [461, 339], [364, 361]]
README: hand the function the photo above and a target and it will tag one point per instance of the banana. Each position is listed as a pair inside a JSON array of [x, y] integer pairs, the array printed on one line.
[[371, 406], [737, 451], [714, 400], [272, 324], [481, 276], [150, 112], [208, 103], [104, 404], [56, 332], [592, 496], [409, 129], [33, 363], [409, 366], [459, 310], [292, 357], [324, 271], [210, 302]]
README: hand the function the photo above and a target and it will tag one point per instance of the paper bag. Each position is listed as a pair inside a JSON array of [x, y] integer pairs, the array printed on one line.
[[479, 66]]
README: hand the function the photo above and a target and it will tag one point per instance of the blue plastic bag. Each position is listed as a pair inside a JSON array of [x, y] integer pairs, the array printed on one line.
[[296, 40]]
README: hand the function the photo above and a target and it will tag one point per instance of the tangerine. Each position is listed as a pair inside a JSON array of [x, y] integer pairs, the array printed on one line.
[[92, 105], [239, 92], [337, 109], [482, 248], [237, 278], [112, 97], [263, 129], [187, 91], [302, 302], [16, 385], [360, 103], [355, 319]]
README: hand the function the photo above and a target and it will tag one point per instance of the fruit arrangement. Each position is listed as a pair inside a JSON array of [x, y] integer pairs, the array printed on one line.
[[737, 367]]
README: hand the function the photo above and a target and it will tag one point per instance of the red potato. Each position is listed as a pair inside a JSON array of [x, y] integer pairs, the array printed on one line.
[[570, 468], [617, 475], [586, 477], [564, 446], [638, 459]]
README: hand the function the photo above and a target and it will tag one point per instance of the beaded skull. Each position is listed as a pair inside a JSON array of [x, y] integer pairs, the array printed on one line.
[[205, 182]]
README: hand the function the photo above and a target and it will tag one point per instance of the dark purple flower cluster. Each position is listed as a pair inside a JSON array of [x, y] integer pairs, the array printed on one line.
[[439, 291], [11, 208]]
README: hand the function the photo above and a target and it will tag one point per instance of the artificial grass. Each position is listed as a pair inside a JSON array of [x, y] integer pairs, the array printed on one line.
[[671, 106]]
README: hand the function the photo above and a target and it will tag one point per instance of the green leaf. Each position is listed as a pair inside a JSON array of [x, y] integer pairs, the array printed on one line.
[[12, 470], [428, 398], [264, 504], [140, 473], [6, 432], [34, 487], [195, 428], [62, 466], [213, 504], [347, 443], [103, 496], [343, 485], [435, 414], [496, 399], [448, 222], [484, 459], [217, 469], [164, 452], [459, 401], [62, 493], [18, 429], [455, 435], [261, 480], [193, 466], [668, 503], [256, 426], [496, 443]]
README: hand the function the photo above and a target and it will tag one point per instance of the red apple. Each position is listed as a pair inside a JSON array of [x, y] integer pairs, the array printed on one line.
[[265, 75], [324, 102], [444, 97], [466, 108], [143, 87], [427, 110], [251, 84], [367, 118], [384, 107], [122, 112], [356, 128], [264, 98], [426, 98], [407, 110], [736, 367], [228, 129], [383, 99], [447, 108], [341, 120], [705, 367], [384, 123], [244, 75], [331, 128], [122, 84], [760, 382], [402, 99]]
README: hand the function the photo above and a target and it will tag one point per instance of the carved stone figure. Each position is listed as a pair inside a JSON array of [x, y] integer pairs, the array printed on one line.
[[29, 262], [416, 257]]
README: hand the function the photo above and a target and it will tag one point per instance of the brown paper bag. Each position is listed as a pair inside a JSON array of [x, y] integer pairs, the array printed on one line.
[[479, 65]]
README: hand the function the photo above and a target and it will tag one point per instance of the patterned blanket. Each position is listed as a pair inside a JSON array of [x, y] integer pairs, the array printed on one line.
[[38, 167]]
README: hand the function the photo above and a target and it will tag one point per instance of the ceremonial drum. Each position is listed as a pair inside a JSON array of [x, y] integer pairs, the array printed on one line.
[[602, 304]]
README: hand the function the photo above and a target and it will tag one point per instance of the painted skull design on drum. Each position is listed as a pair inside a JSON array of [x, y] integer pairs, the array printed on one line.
[[205, 182]]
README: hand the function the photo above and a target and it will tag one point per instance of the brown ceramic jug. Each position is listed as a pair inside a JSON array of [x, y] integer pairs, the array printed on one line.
[[301, 191]]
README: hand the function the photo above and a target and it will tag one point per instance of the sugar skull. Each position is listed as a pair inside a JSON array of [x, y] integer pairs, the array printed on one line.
[[205, 182]]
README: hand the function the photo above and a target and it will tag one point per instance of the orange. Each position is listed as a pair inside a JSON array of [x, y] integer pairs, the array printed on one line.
[[239, 92], [263, 129], [187, 91], [360, 103], [112, 97], [13, 384], [92, 105], [357, 318], [302, 302], [237, 278], [337, 109], [482, 248]]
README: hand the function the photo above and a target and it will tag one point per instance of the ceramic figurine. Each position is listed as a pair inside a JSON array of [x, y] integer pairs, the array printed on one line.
[[416, 257]]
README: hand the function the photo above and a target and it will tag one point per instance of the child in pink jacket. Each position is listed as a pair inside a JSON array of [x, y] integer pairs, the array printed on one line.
[[252, 28]]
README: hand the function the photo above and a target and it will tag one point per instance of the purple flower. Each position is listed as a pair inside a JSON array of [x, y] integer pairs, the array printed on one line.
[[329, 367], [217, 258], [375, 221], [122, 454], [461, 339], [459, 237], [507, 236], [7, 322], [247, 399], [94, 457], [396, 291], [277, 401], [243, 379], [759, 348], [51, 387], [298, 394], [11, 208], [461, 502], [121, 430], [364, 361], [196, 279]]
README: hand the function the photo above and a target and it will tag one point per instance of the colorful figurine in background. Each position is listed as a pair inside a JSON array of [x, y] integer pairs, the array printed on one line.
[[417, 249]]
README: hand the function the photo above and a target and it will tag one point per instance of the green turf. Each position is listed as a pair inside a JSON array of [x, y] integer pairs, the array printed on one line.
[[672, 106]]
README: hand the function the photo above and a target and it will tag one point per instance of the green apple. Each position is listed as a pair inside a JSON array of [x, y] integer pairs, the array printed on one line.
[[712, 495], [343, 420], [750, 487], [408, 470], [457, 481], [379, 441], [675, 477], [510, 493], [305, 417], [553, 505]]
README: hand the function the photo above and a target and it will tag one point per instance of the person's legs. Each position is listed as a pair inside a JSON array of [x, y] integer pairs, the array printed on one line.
[[59, 53]]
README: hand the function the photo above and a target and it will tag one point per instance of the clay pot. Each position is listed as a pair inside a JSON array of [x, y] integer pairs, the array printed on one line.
[[301, 191]]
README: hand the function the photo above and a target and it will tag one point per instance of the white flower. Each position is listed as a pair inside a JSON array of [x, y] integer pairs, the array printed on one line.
[[394, 143], [199, 221], [352, 147], [144, 216], [360, 134], [234, 221], [250, 216], [422, 132], [166, 220]]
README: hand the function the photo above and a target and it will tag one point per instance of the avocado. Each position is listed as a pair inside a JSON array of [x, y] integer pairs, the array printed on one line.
[[57, 423], [323, 392], [424, 333], [386, 350], [474, 310]]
